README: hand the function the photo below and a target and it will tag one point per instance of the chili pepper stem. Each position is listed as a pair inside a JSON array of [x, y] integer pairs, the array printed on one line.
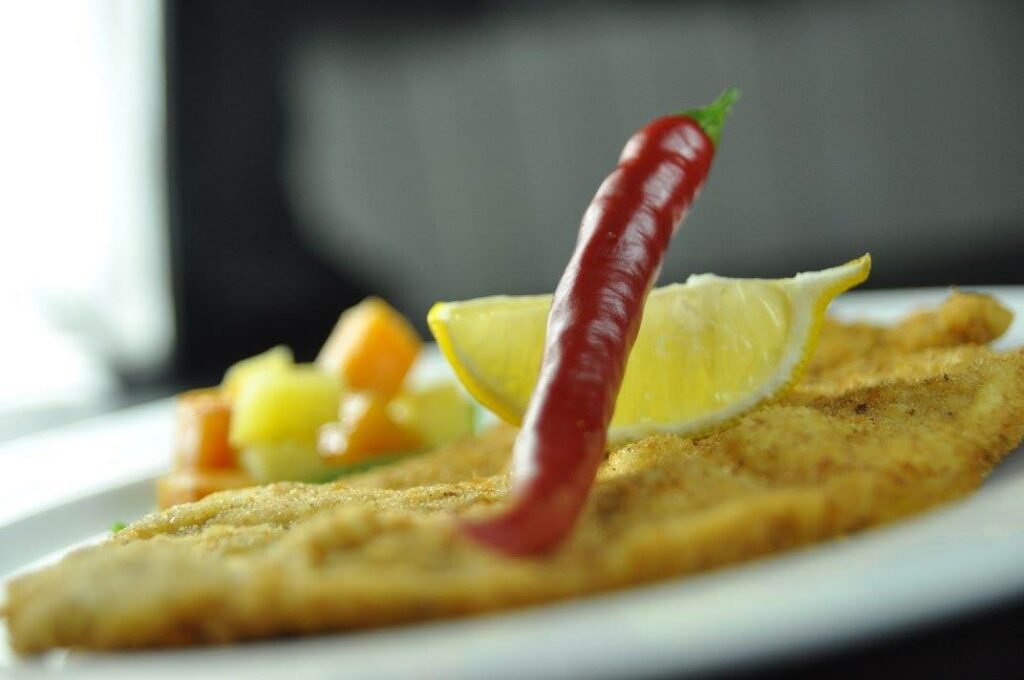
[[711, 118]]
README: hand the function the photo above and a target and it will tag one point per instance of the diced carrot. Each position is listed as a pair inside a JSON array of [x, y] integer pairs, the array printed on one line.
[[185, 486], [201, 434], [364, 431], [371, 347]]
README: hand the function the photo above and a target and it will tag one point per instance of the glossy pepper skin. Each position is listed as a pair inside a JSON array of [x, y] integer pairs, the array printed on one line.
[[594, 320]]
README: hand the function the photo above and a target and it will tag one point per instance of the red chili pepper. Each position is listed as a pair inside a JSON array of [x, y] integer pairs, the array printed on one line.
[[594, 319]]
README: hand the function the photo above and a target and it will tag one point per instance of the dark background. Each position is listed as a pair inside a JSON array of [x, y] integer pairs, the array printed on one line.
[[320, 151]]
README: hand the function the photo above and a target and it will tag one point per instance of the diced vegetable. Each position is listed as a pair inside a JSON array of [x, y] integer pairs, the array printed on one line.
[[437, 414], [263, 423], [201, 434], [371, 348], [275, 360], [287, 405], [364, 431], [287, 460], [185, 486]]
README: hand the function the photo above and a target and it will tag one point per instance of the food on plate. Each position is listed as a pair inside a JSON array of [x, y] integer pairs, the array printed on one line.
[[284, 406], [886, 423], [186, 486], [962, 318], [288, 459], [866, 440], [594, 318], [418, 417], [275, 360], [436, 413], [364, 430], [371, 348], [201, 434], [707, 350], [272, 419]]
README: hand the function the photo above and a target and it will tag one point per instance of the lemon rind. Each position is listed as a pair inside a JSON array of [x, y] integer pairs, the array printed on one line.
[[804, 333], [800, 345], [436, 321]]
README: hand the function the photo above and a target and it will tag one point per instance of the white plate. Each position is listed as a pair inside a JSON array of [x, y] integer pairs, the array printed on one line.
[[67, 486]]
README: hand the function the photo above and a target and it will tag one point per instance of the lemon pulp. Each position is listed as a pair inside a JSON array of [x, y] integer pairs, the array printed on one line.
[[707, 351]]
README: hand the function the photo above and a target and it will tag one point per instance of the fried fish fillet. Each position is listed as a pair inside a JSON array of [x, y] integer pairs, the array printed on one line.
[[963, 318], [833, 456]]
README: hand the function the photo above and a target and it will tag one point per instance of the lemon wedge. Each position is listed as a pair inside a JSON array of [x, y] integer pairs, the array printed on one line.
[[708, 350]]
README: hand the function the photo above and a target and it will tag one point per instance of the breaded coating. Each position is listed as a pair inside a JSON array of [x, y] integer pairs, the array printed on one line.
[[835, 455], [292, 558], [482, 456], [964, 318]]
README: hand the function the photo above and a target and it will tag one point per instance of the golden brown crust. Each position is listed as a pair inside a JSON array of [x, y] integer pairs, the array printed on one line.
[[963, 318], [852, 448]]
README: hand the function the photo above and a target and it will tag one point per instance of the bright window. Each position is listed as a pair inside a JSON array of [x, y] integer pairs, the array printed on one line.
[[83, 272]]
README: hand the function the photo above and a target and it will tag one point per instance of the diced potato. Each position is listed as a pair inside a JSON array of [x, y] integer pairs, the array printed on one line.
[[437, 414], [371, 348], [364, 431], [283, 406], [201, 431], [275, 360], [287, 460], [186, 486]]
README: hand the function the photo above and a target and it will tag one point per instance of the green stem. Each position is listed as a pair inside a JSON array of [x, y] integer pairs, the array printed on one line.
[[711, 118]]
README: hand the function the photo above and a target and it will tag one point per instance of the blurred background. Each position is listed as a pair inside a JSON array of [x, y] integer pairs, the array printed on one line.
[[188, 183]]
